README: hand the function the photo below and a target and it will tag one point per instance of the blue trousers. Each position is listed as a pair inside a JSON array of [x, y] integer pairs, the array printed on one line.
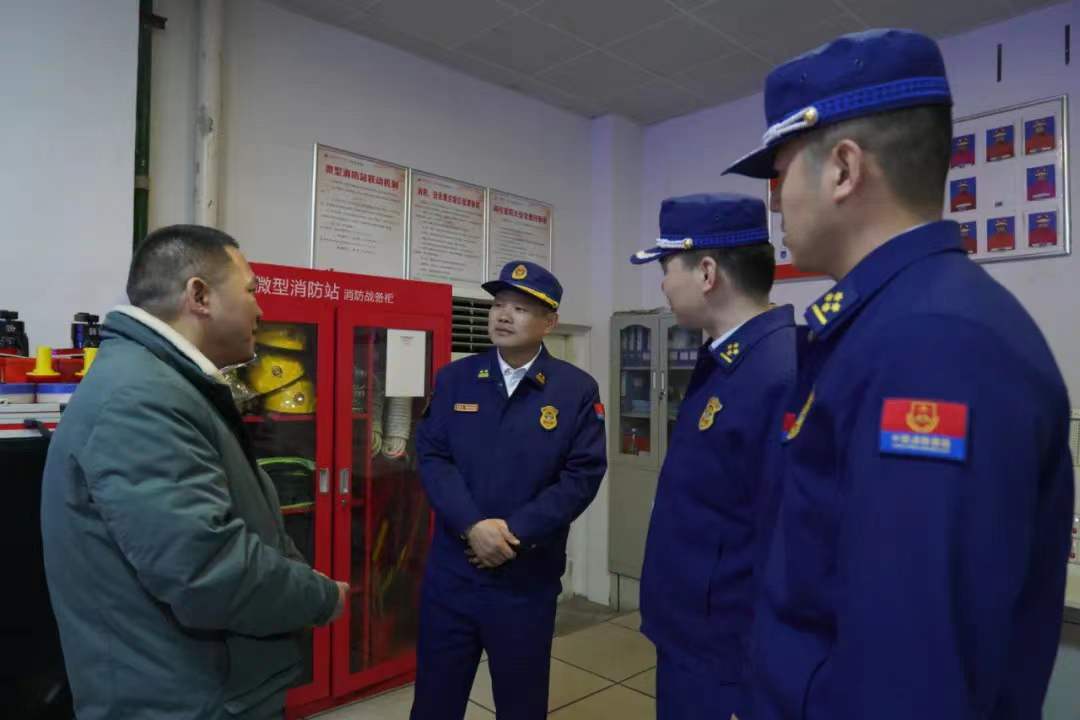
[[692, 693], [459, 619]]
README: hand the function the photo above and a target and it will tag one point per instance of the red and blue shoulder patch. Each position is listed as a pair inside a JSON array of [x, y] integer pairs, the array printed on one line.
[[924, 428]]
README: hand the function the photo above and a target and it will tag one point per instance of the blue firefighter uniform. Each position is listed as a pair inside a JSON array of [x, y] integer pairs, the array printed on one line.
[[920, 514], [534, 459], [697, 581], [697, 584]]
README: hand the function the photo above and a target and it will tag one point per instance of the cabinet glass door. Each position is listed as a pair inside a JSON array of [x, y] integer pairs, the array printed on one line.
[[382, 519], [636, 378], [682, 351], [286, 399]]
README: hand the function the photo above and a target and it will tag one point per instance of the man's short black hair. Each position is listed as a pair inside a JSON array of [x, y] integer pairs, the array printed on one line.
[[912, 146], [751, 268], [165, 261]]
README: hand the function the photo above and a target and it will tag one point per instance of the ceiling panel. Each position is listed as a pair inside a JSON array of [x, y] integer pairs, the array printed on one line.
[[596, 76], [653, 102], [603, 21], [525, 45], [647, 59], [787, 43], [443, 23], [673, 45]]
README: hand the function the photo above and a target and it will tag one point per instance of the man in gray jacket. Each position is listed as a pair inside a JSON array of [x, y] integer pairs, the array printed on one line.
[[176, 590]]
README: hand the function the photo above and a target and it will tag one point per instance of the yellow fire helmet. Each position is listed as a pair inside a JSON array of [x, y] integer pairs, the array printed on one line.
[[281, 336], [296, 399], [272, 371]]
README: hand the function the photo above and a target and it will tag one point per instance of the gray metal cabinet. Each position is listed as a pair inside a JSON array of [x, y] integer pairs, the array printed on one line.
[[653, 359]]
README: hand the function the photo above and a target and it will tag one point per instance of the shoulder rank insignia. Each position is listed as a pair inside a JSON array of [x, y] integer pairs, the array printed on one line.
[[731, 352], [483, 374], [709, 413], [549, 417], [828, 305], [520, 272], [924, 428], [540, 378], [793, 423]]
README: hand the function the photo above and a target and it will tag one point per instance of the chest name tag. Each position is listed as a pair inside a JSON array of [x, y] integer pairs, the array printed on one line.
[[466, 407], [549, 417], [924, 428], [708, 415]]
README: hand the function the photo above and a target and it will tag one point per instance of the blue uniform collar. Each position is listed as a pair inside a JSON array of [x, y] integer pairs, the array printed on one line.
[[731, 352], [834, 308], [538, 371]]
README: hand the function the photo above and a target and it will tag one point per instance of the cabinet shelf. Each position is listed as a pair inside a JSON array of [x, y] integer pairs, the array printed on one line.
[[636, 415], [359, 415], [636, 367], [305, 508], [278, 417]]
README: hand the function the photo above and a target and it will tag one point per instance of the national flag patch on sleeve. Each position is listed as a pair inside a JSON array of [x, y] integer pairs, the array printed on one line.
[[924, 428], [598, 408]]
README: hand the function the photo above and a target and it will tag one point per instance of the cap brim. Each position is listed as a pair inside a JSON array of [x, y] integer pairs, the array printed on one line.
[[649, 255], [494, 287], [758, 164]]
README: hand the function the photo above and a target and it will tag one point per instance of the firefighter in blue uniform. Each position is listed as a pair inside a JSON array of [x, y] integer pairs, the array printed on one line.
[[511, 450], [697, 581], [920, 520]]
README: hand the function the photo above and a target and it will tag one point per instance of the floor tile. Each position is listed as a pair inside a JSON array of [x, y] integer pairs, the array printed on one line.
[[578, 613], [568, 684], [394, 705], [608, 650], [615, 703], [632, 620], [645, 682]]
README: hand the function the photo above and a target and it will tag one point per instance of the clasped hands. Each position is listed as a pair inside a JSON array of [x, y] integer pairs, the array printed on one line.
[[490, 543]]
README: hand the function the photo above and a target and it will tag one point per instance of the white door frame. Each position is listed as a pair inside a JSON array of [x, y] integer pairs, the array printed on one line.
[[577, 547]]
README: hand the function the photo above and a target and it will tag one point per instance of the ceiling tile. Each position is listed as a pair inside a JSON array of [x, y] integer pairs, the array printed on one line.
[[653, 102], [1023, 6], [521, 4], [690, 4], [928, 16], [443, 23], [716, 80], [595, 76], [525, 45], [672, 46], [542, 91], [484, 70], [368, 26], [603, 21], [331, 12], [788, 42], [755, 21]]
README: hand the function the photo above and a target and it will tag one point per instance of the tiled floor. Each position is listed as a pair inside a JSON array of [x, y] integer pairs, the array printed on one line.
[[601, 668]]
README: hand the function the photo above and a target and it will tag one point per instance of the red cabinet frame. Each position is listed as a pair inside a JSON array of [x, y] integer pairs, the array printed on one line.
[[338, 304]]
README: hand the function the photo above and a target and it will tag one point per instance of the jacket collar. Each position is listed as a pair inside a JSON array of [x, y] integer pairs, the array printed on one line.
[[538, 372], [841, 303], [730, 353], [183, 345]]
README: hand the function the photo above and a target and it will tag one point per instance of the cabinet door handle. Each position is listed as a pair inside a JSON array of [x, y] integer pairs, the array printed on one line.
[[324, 481], [343, 481]]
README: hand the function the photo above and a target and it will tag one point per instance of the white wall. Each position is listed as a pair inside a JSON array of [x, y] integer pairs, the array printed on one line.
[[67, 109], [688, 154]]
